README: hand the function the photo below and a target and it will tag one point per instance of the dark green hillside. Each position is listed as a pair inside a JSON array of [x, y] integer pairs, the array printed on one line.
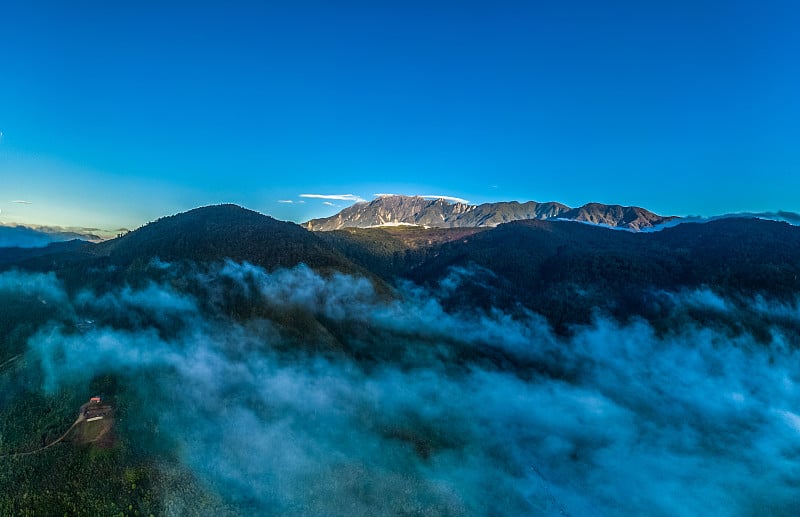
[[50, 252], [560, 269], [202, 236], [740, 256], [394, 251], [220, 232], [566, 270]]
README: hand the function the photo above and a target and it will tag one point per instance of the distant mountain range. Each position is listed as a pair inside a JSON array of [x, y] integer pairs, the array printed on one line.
[[37, 236], [440, 213]]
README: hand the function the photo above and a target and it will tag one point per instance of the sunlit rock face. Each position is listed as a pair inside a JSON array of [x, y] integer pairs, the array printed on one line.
[[440, 213]]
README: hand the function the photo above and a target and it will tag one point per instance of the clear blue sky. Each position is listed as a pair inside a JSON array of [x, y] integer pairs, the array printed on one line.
[[112, 115]]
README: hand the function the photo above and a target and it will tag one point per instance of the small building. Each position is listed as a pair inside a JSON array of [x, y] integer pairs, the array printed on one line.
[[95, 400]]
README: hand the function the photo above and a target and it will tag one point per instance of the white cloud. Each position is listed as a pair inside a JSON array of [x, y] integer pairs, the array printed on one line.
[[448, 198], [328, 203], [22, 202], [335, 197], [285, 201]]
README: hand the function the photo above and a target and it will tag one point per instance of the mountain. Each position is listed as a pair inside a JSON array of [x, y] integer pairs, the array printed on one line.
[[40, 236], [567, 271], [557, 268], [628, 217], [215, 233], [439, 213], [14, 255], [206, 235]]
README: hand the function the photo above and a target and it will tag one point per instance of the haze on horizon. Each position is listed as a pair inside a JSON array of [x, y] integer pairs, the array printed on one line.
[[114, 117]]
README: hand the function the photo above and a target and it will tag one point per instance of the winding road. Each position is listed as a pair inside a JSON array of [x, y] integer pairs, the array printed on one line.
[[77, 421]]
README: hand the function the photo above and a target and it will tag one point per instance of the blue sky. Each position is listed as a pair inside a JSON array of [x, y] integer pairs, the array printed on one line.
[[115, 114]]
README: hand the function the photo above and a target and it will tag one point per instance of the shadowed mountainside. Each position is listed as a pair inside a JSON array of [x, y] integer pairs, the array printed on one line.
[[223, 232], [566, 271]]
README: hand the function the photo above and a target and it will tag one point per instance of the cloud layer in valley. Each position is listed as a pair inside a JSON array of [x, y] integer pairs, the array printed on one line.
[[330, 398]]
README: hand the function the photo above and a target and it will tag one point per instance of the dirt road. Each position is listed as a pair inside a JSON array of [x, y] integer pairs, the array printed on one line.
[[77, 421]]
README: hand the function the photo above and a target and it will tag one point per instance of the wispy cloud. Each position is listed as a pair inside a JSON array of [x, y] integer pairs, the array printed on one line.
[[448, 198], [328, 203], [22, 202], [335, 197], [289, 201]]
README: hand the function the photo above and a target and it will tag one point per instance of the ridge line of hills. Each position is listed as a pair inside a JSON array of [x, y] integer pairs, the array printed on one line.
[[399, 210], [559, 269]]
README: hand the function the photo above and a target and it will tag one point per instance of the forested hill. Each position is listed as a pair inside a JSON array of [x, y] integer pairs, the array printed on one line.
[[566, 270], [205, 235], [224, 232]]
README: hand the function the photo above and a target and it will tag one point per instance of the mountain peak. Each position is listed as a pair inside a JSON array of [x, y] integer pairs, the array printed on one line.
[[396, 210], [227, 231]]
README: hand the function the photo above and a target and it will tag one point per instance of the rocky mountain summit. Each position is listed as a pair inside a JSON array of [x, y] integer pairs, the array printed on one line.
[[440, 213]]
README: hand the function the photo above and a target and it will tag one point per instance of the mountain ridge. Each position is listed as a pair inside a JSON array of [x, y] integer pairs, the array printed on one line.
[[559, 269], [224, 231], [399, 210]]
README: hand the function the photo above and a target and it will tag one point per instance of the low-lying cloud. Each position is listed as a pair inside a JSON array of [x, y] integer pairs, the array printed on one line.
[[387, 406]]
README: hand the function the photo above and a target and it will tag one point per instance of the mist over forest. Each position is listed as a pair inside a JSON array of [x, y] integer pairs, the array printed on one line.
[[241, 389]]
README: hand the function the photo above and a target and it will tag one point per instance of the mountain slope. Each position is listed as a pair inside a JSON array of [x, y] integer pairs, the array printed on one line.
[[17, 255], [206, 235], [562, 270], [220, 232], [439, 213], [567, 271], [629, 217]]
